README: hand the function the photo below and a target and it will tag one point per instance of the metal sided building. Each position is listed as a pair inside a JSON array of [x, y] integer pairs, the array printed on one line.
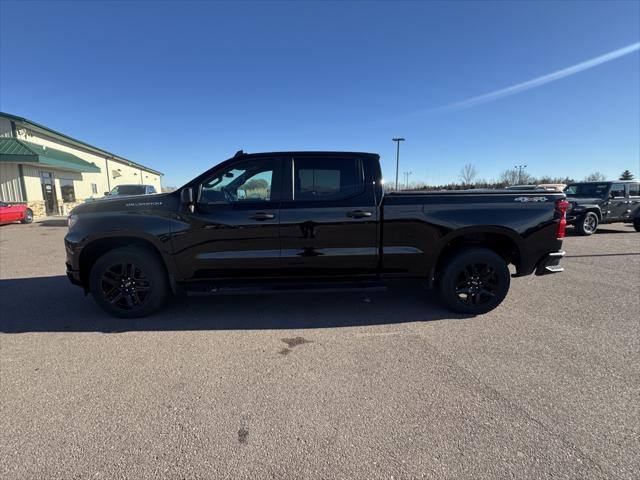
[[53, 172]]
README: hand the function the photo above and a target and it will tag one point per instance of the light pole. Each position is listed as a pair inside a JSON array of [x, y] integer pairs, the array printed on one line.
[[397, 140], [520, 168]]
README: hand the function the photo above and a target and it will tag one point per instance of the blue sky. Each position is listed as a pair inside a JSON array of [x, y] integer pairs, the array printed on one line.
[[180, 86]]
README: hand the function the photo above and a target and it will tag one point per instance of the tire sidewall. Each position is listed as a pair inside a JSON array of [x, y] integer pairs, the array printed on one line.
[[453, 267], [580, 225], [150, 265], [28, 216]]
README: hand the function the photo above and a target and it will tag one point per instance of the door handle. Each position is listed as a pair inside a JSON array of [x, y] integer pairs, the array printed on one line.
[[358, 214], [262, 216]]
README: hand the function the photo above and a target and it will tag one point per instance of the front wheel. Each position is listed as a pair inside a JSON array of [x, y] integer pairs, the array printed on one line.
[[587, 224], [129, 282], [636, 224], [474, 281]]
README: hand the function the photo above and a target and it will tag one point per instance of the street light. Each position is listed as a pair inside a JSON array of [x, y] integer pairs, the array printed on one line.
[[397, 140]]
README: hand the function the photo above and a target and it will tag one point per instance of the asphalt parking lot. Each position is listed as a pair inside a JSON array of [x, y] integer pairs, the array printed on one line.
[[385, 385]]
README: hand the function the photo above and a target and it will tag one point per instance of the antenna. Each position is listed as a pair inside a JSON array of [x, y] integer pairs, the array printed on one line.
[[239, 153]]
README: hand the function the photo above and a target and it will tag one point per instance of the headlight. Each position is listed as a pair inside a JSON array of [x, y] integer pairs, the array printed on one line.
[[72, 219]]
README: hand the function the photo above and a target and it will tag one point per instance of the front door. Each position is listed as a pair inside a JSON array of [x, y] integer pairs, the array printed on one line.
[[328, 218], [233, 231], [49, 193], [617, 207]]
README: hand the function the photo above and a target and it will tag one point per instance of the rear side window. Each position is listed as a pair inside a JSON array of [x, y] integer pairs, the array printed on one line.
[[617, 190], [634, 189], [326, 178]]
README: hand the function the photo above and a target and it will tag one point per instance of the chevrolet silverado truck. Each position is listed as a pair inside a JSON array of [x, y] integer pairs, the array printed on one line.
[[595, 203], [320, 221]]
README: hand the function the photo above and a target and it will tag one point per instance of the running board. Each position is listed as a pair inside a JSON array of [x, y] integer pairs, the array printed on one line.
[[206, 290]]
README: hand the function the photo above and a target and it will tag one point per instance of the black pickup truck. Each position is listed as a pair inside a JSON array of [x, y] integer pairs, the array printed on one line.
[[595, 203], [309, 221]]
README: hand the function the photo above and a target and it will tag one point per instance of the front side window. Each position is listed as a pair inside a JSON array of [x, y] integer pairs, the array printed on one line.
[[319, 179], [250, 181], [66, 188], [617, 190]]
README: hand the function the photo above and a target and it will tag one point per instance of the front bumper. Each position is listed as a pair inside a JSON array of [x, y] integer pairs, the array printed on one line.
[[74, 276], [550, 263]]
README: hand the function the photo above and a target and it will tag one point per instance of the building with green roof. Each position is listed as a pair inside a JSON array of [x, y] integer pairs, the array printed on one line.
[[52, 172]]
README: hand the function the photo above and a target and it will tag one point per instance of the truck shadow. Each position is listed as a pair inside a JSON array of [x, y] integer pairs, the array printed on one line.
[[51, 304], [56, 222]]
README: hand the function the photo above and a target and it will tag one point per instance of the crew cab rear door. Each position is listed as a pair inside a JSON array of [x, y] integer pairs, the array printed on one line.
[[233, 229], [328, 217]]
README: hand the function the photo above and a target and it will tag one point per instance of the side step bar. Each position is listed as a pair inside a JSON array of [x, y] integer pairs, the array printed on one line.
[[206, 290]]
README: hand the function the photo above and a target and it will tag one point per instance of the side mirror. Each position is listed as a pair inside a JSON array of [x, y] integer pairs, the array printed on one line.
[[612, 194], [186, 196], [106, 194]]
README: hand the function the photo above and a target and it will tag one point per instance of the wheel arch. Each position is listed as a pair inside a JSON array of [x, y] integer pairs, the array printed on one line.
[[93, 250], [505, 242], [592, 209]]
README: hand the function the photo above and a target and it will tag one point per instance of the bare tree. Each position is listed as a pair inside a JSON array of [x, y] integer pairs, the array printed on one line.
[[595, 177], [468, 173], [512, 176]]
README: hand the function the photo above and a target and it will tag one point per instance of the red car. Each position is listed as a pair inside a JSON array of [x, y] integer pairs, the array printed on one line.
[[10, 213]]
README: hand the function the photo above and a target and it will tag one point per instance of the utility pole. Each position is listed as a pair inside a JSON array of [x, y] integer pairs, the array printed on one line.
[[397, 140], [520, 168], [406, 179]]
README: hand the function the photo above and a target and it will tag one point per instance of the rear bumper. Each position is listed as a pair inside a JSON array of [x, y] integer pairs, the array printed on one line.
[[550, 263]]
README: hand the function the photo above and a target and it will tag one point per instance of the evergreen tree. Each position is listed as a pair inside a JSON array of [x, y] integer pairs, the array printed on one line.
[[626, 175]]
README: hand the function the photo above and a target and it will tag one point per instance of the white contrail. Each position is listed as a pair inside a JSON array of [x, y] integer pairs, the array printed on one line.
[[536, 82]]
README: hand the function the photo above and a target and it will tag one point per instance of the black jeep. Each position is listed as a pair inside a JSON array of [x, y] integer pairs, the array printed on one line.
[[593, 203]]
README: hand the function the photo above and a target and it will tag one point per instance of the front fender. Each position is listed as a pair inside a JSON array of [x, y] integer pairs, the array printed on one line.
[[152, 228]]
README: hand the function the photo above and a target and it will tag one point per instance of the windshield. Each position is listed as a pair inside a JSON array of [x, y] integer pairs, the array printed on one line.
[[586, 190], [128, 190]]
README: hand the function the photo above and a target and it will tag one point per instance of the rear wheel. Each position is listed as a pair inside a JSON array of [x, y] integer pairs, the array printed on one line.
[[636, 224], [28, 216], [129, 282], [474, 281], [587, 224]]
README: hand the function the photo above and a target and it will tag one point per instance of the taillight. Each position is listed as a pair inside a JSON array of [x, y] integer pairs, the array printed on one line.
[[561, 208]]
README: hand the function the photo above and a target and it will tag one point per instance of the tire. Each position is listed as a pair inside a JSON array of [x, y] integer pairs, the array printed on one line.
[[474, 281], [587, 224], [129, 282], [28, 216], [636, 224]]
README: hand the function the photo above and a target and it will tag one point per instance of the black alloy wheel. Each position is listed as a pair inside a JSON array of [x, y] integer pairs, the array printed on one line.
[[473, 281], [129, 282], [477, 284], [125, 286]]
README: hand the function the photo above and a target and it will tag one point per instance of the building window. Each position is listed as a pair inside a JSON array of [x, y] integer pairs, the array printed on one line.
[[66, 188], [94, 188]]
